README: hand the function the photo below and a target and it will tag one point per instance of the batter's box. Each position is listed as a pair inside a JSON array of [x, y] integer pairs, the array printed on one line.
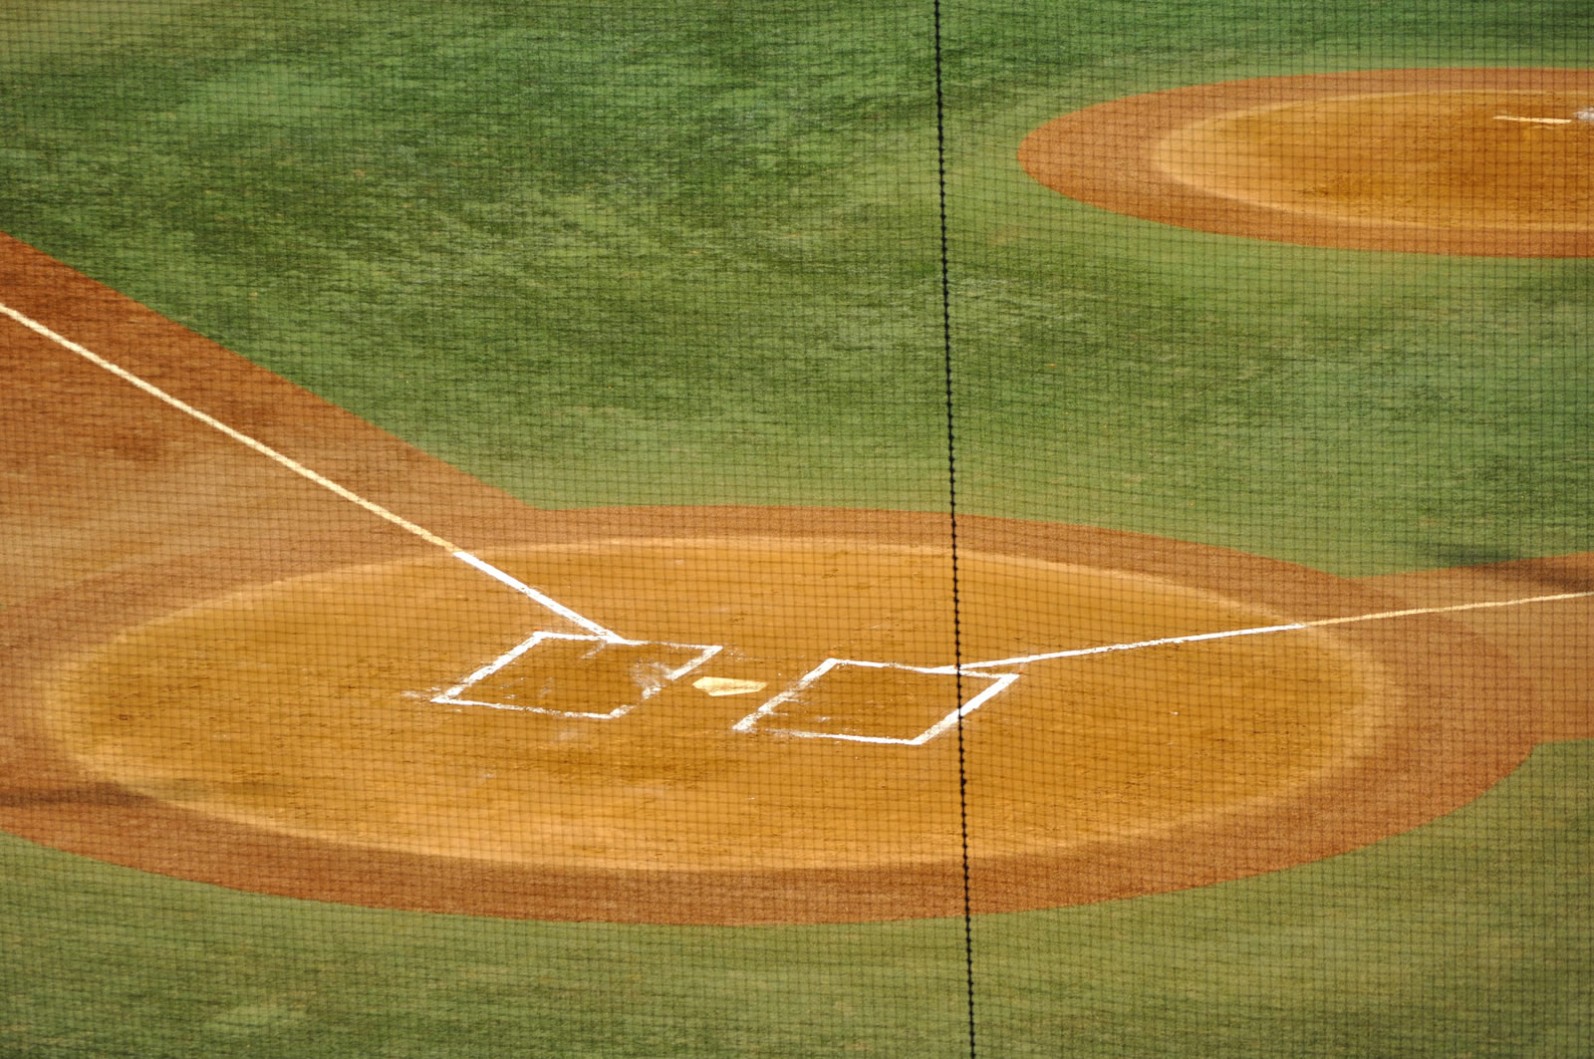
[[874, 702], [577, 676]]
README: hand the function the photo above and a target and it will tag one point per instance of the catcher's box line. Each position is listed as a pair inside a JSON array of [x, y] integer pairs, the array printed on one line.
[[648, 683], [756, 720], [542, 599]]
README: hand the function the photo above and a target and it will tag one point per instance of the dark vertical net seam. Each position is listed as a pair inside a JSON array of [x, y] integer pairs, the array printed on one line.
[[952, 521]]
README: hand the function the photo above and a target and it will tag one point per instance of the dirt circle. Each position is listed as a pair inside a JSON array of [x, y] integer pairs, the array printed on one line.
[[371, 734], [1481, 162], [311, 707]]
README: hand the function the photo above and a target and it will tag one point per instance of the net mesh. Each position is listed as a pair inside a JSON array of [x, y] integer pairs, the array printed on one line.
[[801, 528]]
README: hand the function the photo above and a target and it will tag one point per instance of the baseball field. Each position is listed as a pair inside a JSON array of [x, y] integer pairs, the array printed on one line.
[[799, 528]]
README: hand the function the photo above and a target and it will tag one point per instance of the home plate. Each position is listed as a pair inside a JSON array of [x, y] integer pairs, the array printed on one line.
[[595, 677], [718, 686]]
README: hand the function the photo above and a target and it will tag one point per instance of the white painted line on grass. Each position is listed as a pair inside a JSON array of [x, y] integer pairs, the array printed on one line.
[[305, 472]]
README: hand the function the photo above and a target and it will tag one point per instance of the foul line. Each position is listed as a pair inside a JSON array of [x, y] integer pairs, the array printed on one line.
[[1535, 121], [603, 633], [1261, 630], [319, 479]]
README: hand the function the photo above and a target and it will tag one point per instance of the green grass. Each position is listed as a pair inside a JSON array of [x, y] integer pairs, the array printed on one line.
[[688, 253], [1469, 936], [685, 251]]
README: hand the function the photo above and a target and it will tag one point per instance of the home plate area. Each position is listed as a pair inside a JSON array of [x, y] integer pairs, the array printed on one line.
[[591, 677], [875, 702], [796, 697], [601, 679]]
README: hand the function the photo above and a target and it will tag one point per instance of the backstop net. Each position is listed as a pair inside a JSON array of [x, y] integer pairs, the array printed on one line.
[[804, 528]]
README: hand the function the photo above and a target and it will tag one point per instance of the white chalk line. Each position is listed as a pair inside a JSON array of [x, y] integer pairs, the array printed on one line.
[[319, 479], [1535, 121], [603, 633], [1002, 681], [648, 685], [1262, 630], [998, 683], [541, 597]]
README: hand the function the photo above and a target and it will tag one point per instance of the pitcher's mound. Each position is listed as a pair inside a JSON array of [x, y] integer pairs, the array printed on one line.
[[1486, 162]]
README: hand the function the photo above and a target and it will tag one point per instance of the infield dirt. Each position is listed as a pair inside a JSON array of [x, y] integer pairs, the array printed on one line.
[[220, 671]]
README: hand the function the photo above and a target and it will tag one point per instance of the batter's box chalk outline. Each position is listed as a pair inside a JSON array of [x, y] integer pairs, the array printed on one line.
[[789, 704], [646, 666]]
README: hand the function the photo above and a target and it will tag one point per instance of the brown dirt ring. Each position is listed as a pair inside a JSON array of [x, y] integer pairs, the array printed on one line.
[[1492, 162], [282, 737], [218, 671]]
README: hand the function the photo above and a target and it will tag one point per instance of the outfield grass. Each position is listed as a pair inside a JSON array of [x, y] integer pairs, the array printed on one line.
[[685, 252], [1469, 936]]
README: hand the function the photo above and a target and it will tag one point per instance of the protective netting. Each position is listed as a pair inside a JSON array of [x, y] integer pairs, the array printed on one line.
[[796, 528]]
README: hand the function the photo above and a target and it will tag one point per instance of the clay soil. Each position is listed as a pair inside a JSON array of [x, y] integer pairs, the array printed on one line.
[[220, 671], [1484, 162]]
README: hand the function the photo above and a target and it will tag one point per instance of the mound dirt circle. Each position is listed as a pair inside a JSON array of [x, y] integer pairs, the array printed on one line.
[[370, 734], [1481, 162]]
